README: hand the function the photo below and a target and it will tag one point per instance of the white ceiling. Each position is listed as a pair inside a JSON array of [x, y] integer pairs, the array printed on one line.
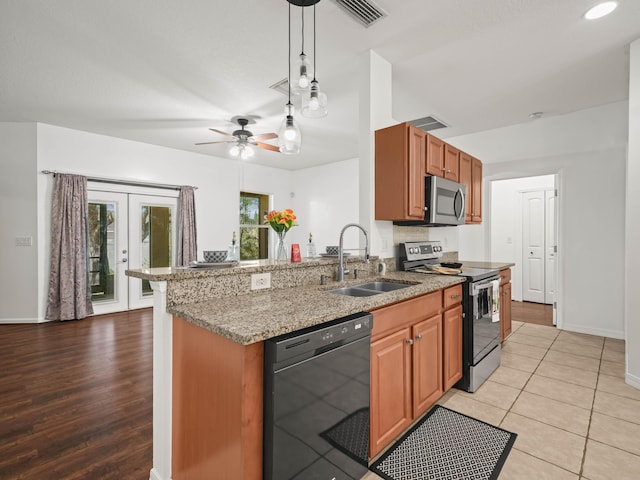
[[164, 71]]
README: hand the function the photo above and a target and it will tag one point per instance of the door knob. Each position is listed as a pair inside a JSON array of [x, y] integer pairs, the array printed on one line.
[[124, 260], [418, 337], [410, 341], [124, 251]]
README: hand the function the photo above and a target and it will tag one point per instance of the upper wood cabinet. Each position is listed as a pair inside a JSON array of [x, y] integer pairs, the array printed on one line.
[[471, 176], [451, 168], [400, 153], [404, 154], [435, 156], [476, 191], [442, 159]]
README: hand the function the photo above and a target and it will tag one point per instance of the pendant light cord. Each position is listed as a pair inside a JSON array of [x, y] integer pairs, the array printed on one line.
[[302, 9], [289, 60], [314, 42]]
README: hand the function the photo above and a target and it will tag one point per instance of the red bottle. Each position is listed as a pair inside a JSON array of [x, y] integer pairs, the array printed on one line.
[[295, 253]]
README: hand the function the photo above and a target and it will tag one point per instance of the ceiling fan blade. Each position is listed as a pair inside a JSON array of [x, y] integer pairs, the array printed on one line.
[[212, 143], [221, 132], [266, 146], [264, 136]]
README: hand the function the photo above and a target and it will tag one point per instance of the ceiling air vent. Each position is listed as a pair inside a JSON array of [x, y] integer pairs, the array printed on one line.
[[364, 11], [428, 123], [281, 87]]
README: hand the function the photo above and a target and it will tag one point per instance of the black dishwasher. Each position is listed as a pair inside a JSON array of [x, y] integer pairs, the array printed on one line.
[[316, 401]]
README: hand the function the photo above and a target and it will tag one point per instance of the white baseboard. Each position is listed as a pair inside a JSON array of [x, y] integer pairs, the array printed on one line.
[[154, 475], [632, 380], [7, 321], [602, 332]]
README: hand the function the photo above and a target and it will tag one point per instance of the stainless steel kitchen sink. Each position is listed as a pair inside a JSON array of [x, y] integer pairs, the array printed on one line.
[[383, 286], [369, 289]]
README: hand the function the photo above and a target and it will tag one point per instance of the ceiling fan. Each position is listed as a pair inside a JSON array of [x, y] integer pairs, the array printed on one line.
[[244, 140]]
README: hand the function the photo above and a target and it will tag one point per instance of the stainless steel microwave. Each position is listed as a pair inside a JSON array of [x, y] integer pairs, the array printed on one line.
[[444, 203]]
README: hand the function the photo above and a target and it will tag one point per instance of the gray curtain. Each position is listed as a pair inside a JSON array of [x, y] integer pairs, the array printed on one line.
[[69, 289], [187, 242]]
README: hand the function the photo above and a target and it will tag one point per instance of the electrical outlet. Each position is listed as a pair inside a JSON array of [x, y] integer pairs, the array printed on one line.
[[260, 281]]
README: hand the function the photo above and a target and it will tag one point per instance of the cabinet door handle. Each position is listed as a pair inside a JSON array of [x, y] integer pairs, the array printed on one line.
[[455, 296], [418, 337], [410, 341]]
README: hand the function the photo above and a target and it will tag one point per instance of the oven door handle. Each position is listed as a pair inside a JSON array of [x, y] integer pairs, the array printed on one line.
[[481, 286]]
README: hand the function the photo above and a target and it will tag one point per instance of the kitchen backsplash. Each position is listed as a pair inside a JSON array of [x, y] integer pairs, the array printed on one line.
[[448, 236]]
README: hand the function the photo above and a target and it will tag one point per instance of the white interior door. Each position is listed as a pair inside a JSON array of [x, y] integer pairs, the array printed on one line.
[[533, 241], [152, 241], [550, 247], [108, 251]]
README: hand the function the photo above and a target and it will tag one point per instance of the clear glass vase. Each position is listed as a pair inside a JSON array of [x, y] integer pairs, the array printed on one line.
[[281, 247]]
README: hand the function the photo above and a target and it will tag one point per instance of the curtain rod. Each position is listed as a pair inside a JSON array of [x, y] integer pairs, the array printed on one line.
[[117, 181]]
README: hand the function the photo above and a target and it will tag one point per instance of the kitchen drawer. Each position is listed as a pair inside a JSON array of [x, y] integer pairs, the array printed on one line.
[[402, 314], [505, 276], [452, 296]]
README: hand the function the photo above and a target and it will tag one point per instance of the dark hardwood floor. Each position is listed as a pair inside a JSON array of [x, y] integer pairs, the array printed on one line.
[[76, 398], [531, 312]]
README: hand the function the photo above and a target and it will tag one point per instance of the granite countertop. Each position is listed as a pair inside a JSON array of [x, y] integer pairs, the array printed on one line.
[[491, 265], [251, 266], [255, 317]]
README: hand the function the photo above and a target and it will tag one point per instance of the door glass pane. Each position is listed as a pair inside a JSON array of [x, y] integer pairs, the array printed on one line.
[[156, 240], [102, 250]]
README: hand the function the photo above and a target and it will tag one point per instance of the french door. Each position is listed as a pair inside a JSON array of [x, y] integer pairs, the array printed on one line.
[[127, 231]]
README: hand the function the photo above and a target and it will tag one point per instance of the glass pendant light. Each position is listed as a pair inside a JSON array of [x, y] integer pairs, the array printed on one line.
[[303, 71], [289, 138], [314, 105]]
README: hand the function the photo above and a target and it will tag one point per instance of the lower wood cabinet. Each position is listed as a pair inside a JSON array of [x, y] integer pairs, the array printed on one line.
[[505, 303], [391, 410], [416, 355], [452, 365], [427, 364]]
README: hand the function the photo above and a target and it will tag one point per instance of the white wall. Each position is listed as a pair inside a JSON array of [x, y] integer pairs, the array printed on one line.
[[588, 150], [632, 240], [506, 224], [219, 182], [18, 292], [375, 80], [326, 199]]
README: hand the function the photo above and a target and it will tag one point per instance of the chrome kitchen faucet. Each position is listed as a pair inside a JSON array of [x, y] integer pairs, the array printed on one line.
[[341, 270]]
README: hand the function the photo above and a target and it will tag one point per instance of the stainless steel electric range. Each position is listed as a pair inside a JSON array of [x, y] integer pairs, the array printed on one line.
[[480, 306]]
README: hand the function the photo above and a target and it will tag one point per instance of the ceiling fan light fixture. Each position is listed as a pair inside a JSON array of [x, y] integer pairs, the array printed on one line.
[[246, 152]]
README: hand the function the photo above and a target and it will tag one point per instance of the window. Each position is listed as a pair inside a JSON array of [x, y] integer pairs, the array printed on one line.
[[254, 235]]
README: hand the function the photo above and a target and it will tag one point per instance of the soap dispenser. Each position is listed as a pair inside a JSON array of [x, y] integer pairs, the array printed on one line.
[[233, 254], [311, 247]]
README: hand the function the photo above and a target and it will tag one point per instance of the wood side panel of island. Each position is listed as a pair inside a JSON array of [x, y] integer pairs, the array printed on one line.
[[217, 406]]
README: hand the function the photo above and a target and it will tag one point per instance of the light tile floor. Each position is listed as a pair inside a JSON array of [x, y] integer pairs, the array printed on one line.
[[564, 394]]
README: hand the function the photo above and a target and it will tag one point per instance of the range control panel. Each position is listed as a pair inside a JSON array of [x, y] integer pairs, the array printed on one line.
[[425, 250]]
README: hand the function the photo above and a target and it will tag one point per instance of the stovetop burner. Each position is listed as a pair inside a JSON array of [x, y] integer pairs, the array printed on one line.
[[424, 257]]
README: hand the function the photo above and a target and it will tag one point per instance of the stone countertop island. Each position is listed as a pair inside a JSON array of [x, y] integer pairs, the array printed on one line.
[[213, 314]]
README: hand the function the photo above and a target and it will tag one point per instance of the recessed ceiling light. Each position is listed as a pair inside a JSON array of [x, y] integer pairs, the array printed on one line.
[[600, 10]]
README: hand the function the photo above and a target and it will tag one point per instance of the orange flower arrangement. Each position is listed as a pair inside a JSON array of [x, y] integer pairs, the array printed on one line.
[[281, 221]]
